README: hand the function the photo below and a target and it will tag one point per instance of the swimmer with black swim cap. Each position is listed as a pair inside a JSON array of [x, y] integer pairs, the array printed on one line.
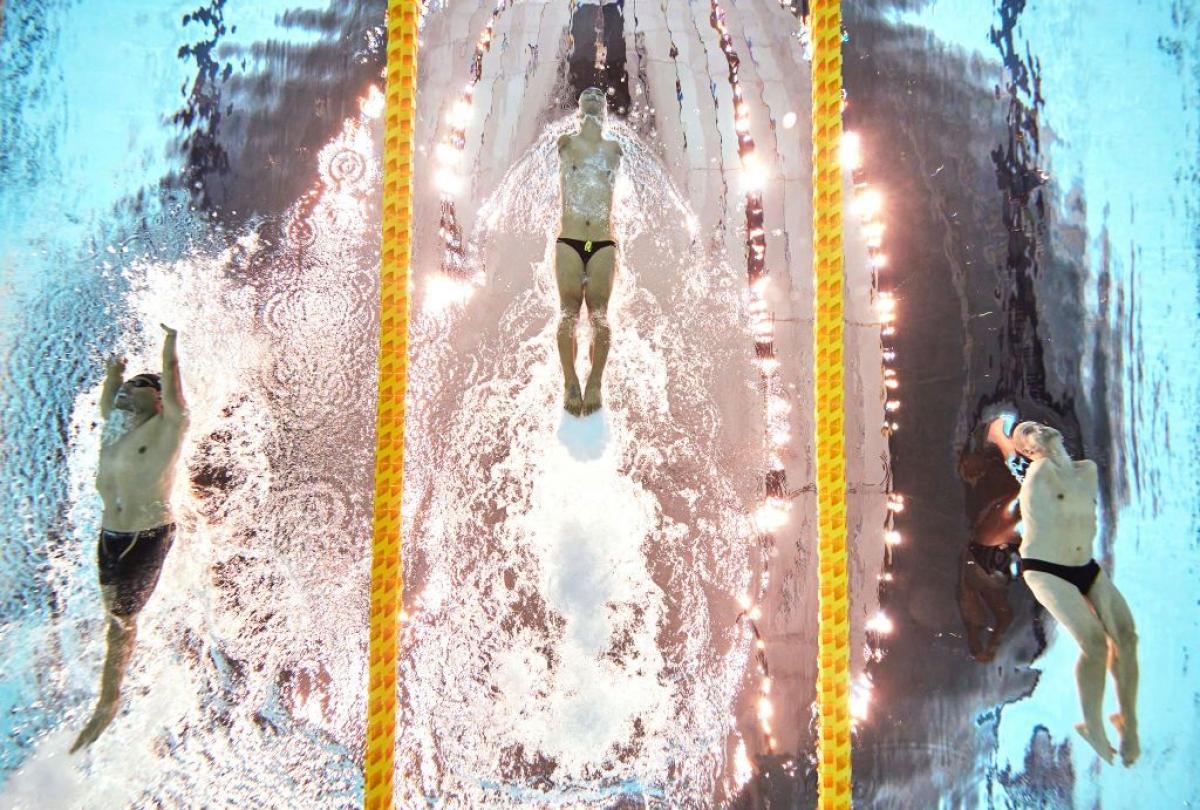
[[135, 477]]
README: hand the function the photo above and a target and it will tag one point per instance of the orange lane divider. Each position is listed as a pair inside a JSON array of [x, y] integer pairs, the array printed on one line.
[[833, 645], [387, 572]]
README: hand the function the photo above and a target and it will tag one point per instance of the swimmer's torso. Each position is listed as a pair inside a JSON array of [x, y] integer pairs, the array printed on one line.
[[587, 170], [1058, 507], [136, 474]]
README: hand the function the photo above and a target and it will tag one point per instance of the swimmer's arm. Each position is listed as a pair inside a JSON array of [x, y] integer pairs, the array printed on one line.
[[112, 381], [972, 466], [1093, 474], [174, 407]]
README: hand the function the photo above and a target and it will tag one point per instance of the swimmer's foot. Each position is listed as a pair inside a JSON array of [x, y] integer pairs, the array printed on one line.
[[573, 400], [591, 398], [106, 710], [1130, 747], [1098, 740]]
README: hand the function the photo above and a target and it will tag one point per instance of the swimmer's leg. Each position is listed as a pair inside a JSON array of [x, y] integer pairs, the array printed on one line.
[[971, 606], [568, 271], [995, 593], [1074, 612], [1122, 660], [601, 269], [122, 633]]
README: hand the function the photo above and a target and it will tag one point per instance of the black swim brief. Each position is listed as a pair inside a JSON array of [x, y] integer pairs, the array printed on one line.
[[586, 248], [1081, 576], [130, 563]]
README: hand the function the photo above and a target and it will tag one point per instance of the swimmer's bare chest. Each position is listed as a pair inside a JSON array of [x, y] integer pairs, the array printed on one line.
[[588, 173], [1060, 512], [135, 471]]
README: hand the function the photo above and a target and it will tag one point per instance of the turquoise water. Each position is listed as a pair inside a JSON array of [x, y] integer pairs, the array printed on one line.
[[1117, 307], [113, 218], [560, 648], [217, 167]]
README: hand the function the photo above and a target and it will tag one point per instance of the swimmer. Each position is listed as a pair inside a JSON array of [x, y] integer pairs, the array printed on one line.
[[1058, 504], [585, 255], [135, 477], [988, 563]]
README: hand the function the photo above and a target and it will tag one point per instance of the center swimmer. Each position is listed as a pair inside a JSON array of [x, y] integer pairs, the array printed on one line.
[[585, 257]]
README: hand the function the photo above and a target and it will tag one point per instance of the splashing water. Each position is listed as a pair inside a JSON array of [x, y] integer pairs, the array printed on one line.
[[246, 679], [573, 632], [572, 582]]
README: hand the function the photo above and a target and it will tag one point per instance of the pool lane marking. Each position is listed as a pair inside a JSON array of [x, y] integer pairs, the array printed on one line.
[[387, 572], [833, 642]]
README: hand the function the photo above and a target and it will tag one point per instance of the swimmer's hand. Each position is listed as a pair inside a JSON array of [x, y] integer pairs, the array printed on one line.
[[174, 406], [112, 382]]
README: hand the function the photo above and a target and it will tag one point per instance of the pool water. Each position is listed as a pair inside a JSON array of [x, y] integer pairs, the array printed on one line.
[[598, 612]]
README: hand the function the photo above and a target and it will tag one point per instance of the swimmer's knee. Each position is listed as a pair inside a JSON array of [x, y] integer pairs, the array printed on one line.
[[123, 622], [1094, 643], [1126, 638], [599, 320], [568, 319]]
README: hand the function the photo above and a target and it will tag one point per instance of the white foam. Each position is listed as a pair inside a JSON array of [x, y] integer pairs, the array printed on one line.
[[51, 777], [565, 569], [246, 678]]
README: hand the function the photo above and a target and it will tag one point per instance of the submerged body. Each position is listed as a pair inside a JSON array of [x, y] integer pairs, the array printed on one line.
[[135, 476], [585, 254], [1058, 504], [987, 565]]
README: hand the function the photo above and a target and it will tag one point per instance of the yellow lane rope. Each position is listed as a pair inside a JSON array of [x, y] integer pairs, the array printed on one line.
[[833, 645], [387, 574]]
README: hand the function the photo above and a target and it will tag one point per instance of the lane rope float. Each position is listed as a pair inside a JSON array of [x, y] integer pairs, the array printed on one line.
[[387, 572], [833, 644]]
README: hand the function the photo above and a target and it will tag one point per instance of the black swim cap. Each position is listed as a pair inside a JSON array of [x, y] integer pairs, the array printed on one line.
[[150, 377]]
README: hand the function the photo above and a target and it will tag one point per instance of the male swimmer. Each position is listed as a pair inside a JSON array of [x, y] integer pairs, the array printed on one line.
[[585, 257], [135, 477], [1058, 506]]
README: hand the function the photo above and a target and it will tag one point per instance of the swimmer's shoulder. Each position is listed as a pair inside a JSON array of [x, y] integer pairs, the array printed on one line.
[[564, 141], [1036, 466], [1038, 470]]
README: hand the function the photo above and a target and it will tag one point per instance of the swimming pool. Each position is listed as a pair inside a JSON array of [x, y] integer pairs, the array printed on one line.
[[621, 611]]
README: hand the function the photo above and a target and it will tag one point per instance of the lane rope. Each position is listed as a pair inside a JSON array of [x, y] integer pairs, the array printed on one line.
[[833, 644], [387, 573]]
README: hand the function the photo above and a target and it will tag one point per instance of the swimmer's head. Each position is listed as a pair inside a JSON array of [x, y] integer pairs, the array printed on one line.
[[593, 102], [140, 393], [1034, 440]]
